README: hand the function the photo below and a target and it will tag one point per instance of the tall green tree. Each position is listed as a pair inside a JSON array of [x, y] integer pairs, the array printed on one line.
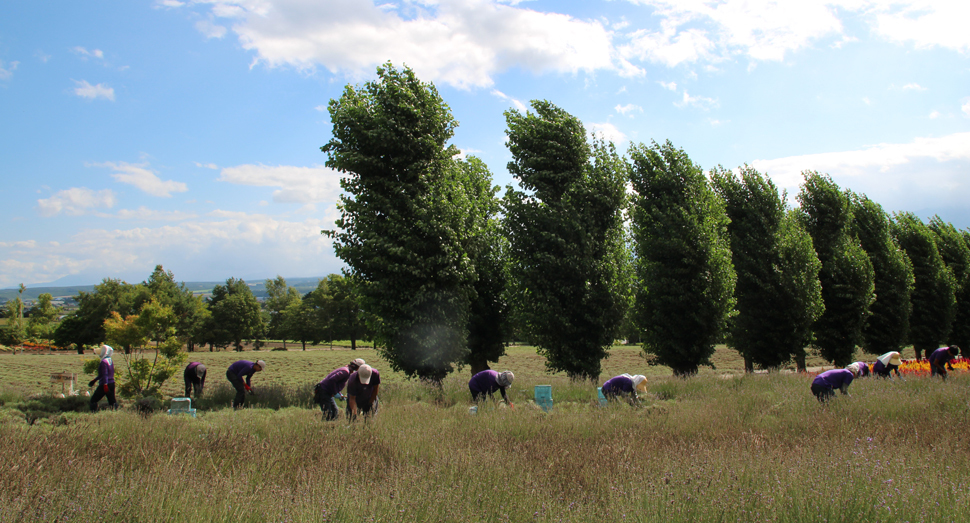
[[42, 315], [401, 228], [956, 255], [235, 314], [847, 275], [86, 326], [685, 278], [565, 231], [305, 322], [339, 296], [887, 326], [778, 292], [279, 296], [934, 291]]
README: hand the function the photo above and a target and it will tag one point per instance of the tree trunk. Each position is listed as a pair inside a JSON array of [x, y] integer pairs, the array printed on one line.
[[353, 341], [304, 344], [478, 365], [748, 364], [80, 349], [800, 361]]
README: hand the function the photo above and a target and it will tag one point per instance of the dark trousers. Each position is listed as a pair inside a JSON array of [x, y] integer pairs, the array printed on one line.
[[327, 404], [192, 381], [938, 370], [237, 383], [367, 408], [100, 393], [822, 393]]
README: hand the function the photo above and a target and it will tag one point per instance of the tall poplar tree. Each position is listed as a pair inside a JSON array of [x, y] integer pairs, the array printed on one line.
[[956, 255], [685, 279], [565, 231], [846, 275]]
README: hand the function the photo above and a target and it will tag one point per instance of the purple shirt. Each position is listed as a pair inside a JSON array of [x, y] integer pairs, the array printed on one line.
[[834, 379], [485, 382], [878, 367], [618, 384], [193, 377], [335, 381], [863, 368], [362, 392], [940, 357], [106, 372], [243, 368]]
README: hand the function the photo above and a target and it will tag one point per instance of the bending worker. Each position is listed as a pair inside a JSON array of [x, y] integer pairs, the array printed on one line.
[[330, 387], [194, 377], [362, 388], [624, 385], [824, 385], [941, 359], [487, 382], [235, 374], [105, 379], [886, 364], [859, 368]]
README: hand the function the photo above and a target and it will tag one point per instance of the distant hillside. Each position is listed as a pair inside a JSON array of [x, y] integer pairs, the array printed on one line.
[[303, 285]]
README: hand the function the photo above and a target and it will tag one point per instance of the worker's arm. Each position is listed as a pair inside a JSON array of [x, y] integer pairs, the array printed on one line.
[[352, 405]]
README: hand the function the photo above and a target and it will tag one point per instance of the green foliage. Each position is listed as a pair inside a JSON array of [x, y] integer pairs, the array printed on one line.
[[279, 296], [887, 327], [339, 297], [42, 316], [304, 321], [566, 242], [847, 276], [86, 326], [235, 315], [934, 291], [955, 252], [683, 258], [404, 227], [778, 292]]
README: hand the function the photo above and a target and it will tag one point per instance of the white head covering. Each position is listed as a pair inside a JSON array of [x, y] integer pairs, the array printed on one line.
[[505, 378], [854, 369], [199, 370], [890, 358], [104, 352], [640, 382], [364, 373], [262, 364]]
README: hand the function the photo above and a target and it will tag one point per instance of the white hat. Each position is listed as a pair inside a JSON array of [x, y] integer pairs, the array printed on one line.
[[262, 364], [640, 382], [363, 373], [358, 362], [854, 369], [890, 358], [505, 378], [199, 370]]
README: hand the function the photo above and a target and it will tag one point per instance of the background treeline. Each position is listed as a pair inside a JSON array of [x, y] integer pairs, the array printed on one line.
[[592, 245]]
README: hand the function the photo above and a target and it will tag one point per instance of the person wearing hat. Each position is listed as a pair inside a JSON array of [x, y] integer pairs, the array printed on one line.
[[194, 377], [886, 364], [363, 386], [624, 385], [941, 359], [487, 382], [824, 385], [330, 387], [235, 374], [859, 368], [105, 379]]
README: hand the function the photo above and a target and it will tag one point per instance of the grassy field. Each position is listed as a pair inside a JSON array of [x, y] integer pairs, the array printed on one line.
[[721, 446]]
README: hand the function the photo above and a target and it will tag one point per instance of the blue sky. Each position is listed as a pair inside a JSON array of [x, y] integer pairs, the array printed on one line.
[[187, 133]]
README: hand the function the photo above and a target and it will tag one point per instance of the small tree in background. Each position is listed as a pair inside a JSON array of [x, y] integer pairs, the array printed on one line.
[[846, 275], [887, 326], [778, 292], [279, 296], [956, 255], [934, 291], [42, 316], [566, 242], [340, 297], [683, 258], [235, 314]]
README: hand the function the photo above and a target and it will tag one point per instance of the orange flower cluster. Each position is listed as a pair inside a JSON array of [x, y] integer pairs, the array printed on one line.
[[922, 367]]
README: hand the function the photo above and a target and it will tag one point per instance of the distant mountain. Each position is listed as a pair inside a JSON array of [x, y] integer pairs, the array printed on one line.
[[303, 285]]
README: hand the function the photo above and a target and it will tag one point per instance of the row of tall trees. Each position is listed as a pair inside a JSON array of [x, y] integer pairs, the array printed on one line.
[[590, 241]]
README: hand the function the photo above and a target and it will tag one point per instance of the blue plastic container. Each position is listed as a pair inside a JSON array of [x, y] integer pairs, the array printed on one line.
[[544, 397]]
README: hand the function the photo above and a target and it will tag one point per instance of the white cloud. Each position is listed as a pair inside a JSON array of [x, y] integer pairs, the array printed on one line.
[[209, 29], [517, 103], [906, 176], [966, 108], [207, 165], [143, 178], [934, 115], [606, 131], [702, 102], [6, 71], [296, 184], [322, 108], [95, 53], [220, 245], [146, 214], [462, 43], [670, 86], [168, 3], [866, 100], [628, 108], [76, 201], [925, 23], [92, 92], [913, 87]]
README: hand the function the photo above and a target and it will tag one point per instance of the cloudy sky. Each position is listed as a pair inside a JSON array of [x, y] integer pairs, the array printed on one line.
[[187, 133]]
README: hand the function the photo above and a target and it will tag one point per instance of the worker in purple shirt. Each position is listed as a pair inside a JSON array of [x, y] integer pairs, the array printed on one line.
[[194, 377], [235, 374], [362, 389], [886, 364], [624, 385], [859, 368], [487, 382], [941, 359], [105, 379], [824, 385], [325, 391]]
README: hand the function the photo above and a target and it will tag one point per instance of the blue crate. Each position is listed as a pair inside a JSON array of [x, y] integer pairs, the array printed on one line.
[[544, 397], [602, 397], [182, 406]]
